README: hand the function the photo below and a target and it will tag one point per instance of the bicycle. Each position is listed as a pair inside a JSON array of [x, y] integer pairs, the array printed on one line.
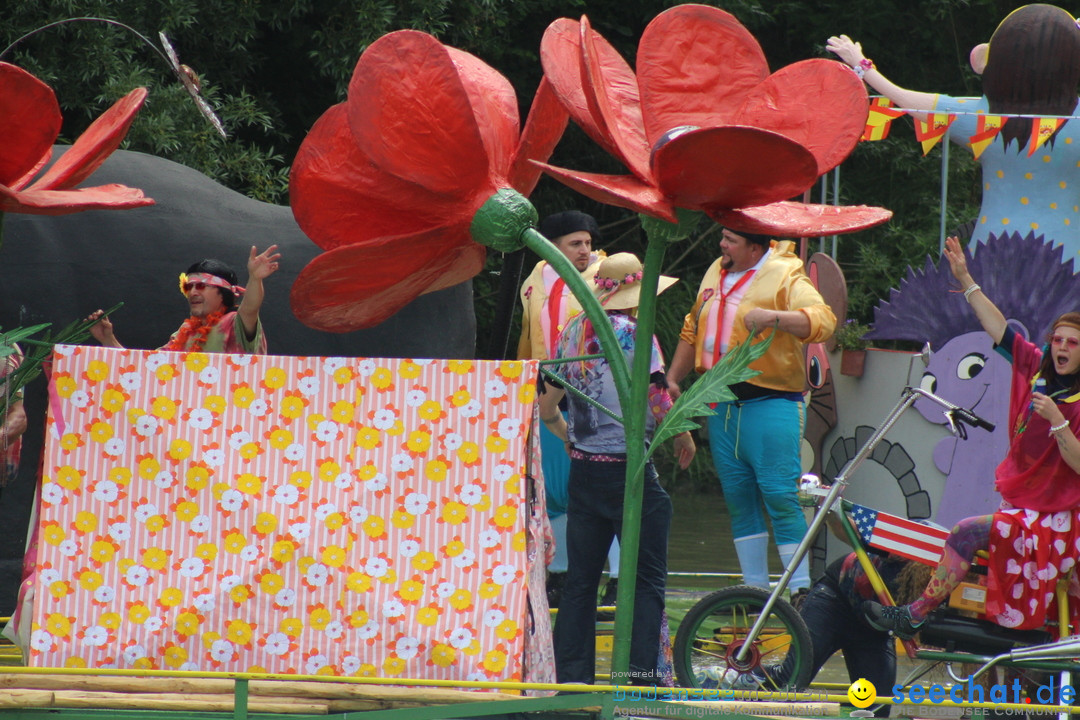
[[746, 638]]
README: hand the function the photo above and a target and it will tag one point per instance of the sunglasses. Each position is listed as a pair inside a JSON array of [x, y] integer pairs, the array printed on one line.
[[200, 286], [1069, 342]]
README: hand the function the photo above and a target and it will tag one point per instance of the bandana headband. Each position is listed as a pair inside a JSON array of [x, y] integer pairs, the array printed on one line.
[[211, 280]]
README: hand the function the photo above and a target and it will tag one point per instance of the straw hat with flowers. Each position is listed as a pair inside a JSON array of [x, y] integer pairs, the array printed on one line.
[[618, 282]]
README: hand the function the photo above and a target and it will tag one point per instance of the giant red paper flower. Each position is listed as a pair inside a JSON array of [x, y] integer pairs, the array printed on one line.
[[704, 126], [29, 125], [388, 182]]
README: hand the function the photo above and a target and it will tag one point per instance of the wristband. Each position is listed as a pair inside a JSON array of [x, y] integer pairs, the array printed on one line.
[[864, 65], [971, 288], [1055, 429]]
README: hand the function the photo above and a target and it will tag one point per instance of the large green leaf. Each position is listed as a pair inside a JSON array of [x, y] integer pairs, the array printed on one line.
[[712, 387]]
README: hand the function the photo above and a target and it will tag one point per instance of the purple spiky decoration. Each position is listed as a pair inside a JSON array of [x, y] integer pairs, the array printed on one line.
[[1023, 275]]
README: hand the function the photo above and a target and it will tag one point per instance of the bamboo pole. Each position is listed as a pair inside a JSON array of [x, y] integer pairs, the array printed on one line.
[[191, 702], [25, 698]]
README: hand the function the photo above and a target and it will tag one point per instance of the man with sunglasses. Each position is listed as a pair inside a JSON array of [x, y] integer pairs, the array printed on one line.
[[216, 323]]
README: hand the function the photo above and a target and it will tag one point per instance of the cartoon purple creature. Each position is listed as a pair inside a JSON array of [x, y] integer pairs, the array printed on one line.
[[1028, 281]]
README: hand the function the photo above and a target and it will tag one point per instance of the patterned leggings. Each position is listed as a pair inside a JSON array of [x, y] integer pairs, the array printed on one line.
[[968, 536]]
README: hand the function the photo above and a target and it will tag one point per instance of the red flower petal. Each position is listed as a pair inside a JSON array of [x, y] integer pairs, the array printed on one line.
[[732, 167], [29, 123], [63, 202], [358, 286], [611, 90], [410, 113], [792, 219], [543, 129], [494, 106], [94, 146], [695, 66], [792, 102], [625, 191], [339, 197]]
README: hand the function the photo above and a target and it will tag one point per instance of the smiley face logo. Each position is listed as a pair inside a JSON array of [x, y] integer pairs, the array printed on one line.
[[862, 693]]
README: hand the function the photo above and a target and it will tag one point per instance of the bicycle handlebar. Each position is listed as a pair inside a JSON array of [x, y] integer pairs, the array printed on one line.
[[955, 412]]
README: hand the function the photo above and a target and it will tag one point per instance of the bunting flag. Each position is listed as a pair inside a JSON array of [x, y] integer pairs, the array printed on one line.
[[1041, 130], [900, 536], [882, 113], [987, 128], [929, 133]]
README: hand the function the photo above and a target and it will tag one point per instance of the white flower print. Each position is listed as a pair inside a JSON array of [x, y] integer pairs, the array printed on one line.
[[146, 425], [209, 375], [54, 494], [114, 447], [295, 452], [494, 389]]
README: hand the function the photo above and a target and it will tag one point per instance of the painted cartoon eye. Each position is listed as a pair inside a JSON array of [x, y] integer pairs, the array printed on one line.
[[929, 383], [814, 372], [970, 365]]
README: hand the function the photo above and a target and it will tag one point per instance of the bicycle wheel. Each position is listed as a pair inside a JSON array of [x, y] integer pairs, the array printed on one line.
[[714, 631]]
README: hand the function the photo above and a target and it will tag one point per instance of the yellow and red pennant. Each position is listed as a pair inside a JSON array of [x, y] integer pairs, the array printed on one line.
[[1041, 130], [930, 131], [987, 128], [882, 113]]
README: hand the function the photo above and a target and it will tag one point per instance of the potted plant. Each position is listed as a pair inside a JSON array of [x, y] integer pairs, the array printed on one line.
[[852, 344]]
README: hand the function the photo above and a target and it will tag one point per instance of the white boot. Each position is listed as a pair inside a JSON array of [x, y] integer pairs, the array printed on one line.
[[752, 551], [801, 578]]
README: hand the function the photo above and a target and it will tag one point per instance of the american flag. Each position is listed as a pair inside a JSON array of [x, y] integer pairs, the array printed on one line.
[[900, 536]]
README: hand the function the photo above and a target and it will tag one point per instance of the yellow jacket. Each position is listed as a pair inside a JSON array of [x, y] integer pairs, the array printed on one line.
[[534, 295], [780, 284]]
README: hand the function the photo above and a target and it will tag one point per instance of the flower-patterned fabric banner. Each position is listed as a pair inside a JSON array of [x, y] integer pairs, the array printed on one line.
[[338, 516]]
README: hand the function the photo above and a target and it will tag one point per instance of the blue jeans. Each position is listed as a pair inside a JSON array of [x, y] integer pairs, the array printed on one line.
[[594, 515]]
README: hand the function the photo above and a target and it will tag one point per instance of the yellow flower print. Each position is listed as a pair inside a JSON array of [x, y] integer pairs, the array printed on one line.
[[209, 638], [459, 367], [357, 618], [58, 625], [280, 438], [374, 527], [382, 379], [251, 450], [411, 590], [197, 477], [496, 444], [241, 594], [342, 412], [505, 516], [265, 523], [239, 632], [313, 421], [60, 590], [156, 523], [334, 521], [454, 512], [291, 627], [68, 477], [409, 370], [175, 656], [274, 379], [121, 476], [343, 376], [149, 467], [171, 597], [358, 582], [429, 615], [424, 561], [443, 655], [250, 484], [301, 479], [495, 661], [196, 362], [453, 548], [65, 384], [207, 552], [76, 663], [329, 470], [510, 369], [460, 398], [71, 441], [283, 551], [419, 441], [507, 630], [52, 533], [185, 511], [393, 665], [113, 399], [527, 394], [333, 556], [367, 472], [138, 613], [96, 371], [402, 519], [155, 558], [367, 438], [164, 408], [469, 453], [243, 395], [187, 624], [319, 617], [292, 405], [90, 580], [179, 449], [235, 542], [461, 600], [436, 470], [215, 404], [100, 432], [517, 542], [165, 373], [270, 582], [102, 551], [431, 410], [488, 590]]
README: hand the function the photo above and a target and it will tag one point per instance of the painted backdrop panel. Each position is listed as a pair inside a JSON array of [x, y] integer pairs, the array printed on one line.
[[300, 515]]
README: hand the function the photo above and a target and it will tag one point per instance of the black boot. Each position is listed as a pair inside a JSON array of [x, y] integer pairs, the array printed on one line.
[[555, 582]]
